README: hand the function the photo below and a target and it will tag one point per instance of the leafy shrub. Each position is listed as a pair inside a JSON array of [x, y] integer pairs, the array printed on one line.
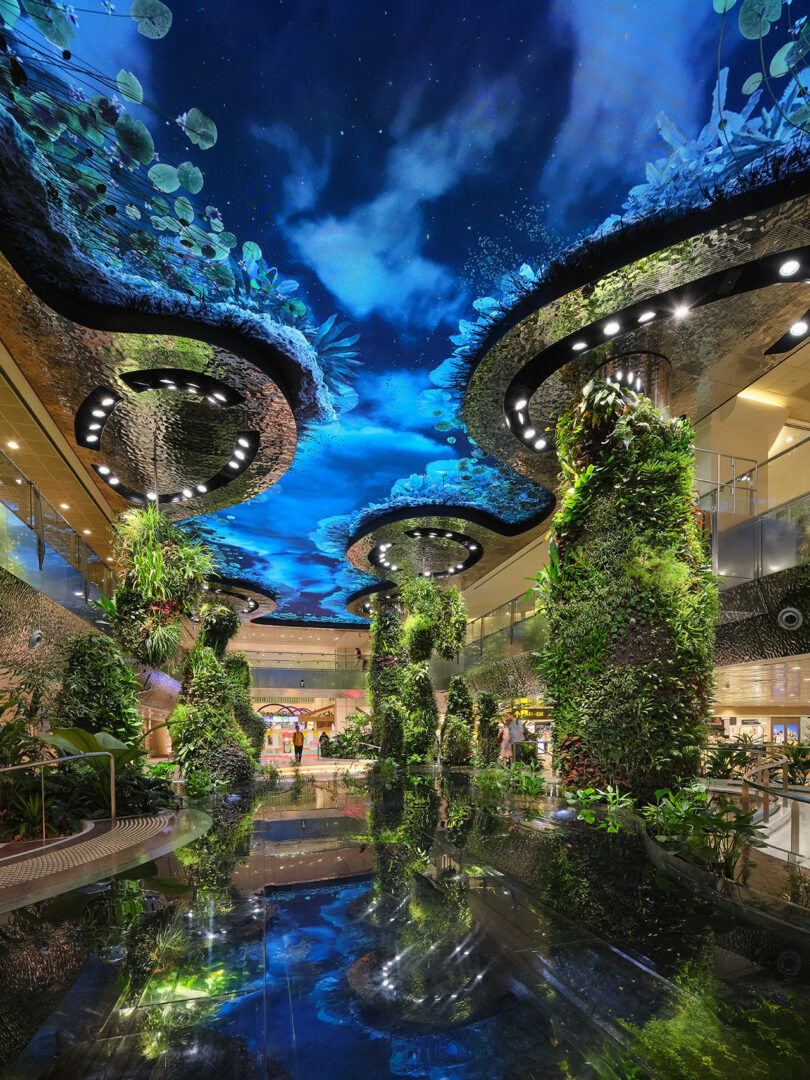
[[422, 712], [218, 624], [457, 741], [232, 765], [99, 690], [452, 629], [418, 637], [588, 801], [487, 708], [163, 578]]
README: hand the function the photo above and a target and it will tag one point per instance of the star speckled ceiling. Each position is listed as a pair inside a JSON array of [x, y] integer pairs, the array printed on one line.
[[335, 200]]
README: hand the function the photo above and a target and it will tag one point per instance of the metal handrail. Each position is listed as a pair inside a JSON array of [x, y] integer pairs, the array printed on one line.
[[47, 762]]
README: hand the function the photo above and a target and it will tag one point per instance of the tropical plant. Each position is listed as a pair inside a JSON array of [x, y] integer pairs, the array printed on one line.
[[385, 678], [451, 633], [421, 711], [716, 834], [163, 578], [629, 597], [99, 691], [218, 624], [487, 709], [457, 741], [600, 808]]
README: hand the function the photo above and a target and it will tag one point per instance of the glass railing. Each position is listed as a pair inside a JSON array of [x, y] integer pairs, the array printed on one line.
[[24, 499], [501, 618]]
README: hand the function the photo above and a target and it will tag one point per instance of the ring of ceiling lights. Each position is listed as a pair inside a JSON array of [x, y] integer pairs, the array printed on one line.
[[217, 426], [454, 544], [720, 308], [359, 603], [248, 601], [97, 408]]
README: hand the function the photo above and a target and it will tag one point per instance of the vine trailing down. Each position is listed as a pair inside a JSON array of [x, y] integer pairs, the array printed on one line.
[[630, 598]]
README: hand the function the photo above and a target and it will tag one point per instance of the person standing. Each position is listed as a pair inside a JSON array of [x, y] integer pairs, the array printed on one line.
[[517, 736], [298, 744]]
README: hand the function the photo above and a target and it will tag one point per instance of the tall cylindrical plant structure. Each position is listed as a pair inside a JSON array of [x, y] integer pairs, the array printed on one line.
[[630, 598], [385, 679]]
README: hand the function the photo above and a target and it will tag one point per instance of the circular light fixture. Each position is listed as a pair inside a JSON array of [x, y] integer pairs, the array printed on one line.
[[94, 427], [578, 346], [239, 454], [202, 488], [521, 404], [86, 532], [64, 506], [99, 413], [91, 438], [529, 433], [799, 328], [611, 328], [540, 444], [789, 268], [646, 316], [13, 445], [243, 442], [392, 567], [151, 496], [233, 464], [114, 481], [187, 492], [107, 402], [104, 470], [681, 311], [219, 396]]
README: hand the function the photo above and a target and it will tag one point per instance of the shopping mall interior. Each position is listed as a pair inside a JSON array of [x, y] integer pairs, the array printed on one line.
[[405, 540]]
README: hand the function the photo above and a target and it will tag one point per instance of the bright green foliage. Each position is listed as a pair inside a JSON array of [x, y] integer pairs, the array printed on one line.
[[163, 578], [99, 691], [218, 624], [421, 710], [457, 741], [204, 731], [237, 669], [459, 700], [487, 708], [385, 680], [629, 596], [437, 619]]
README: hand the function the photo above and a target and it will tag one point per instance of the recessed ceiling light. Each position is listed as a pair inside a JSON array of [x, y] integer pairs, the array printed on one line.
[[202, 488], [104, 470], [114, 481], [788, 438], [107, 402], [91, 438], [578, 346], [681, 311], [233, 464], [99, 413], [646, 316], [448, 536], [540, 444], [789, 268], [13, 445], [191, 389], [64, 506], [239, 454], [243, 442], [611, 328], [460, 566], [529, 433], [188, 492], [521, 404], [94, 427], [425, 573], [799, 328], [473, 547], [78, 592], [86, 532], [395, 568], [219, 396], [151, 496]]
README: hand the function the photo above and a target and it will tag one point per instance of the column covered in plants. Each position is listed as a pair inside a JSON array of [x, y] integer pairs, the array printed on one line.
[[629, 595], [384, 680], [457, 732]]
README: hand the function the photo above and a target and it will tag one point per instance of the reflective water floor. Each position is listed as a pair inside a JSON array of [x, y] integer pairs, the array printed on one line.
[[400, 931]]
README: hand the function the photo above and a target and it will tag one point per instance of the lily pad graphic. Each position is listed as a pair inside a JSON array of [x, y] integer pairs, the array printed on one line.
[[200, 128], [130, 88], [153, 18], [164, 177], [134, 139], [190, 177]]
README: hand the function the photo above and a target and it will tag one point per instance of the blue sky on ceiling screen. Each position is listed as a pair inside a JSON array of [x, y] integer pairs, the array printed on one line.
[[396, 161]]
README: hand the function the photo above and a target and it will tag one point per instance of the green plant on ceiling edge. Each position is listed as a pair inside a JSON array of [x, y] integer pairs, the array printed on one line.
[[629, 596]]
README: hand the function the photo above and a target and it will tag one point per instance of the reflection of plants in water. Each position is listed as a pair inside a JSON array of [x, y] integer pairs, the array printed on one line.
[[797, 885]]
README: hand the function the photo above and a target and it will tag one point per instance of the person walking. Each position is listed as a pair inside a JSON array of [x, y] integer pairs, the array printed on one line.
[[298, 744]]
